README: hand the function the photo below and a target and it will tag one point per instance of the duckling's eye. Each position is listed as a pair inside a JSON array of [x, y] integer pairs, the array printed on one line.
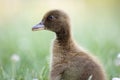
[[51, 17]]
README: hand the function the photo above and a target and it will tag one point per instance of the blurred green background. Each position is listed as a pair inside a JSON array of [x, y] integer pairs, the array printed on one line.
[[25, 55]]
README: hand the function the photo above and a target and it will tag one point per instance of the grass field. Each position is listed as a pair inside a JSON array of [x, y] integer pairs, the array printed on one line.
[[25, 55]]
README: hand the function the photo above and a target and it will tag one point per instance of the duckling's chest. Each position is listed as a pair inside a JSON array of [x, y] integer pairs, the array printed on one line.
[[68, 60], [62, 53]]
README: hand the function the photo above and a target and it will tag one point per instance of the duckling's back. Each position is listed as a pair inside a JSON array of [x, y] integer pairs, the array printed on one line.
[[71, 63], [82, 67]]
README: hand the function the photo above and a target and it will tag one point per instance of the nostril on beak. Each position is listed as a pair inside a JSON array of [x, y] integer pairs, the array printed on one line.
[[41, 23]]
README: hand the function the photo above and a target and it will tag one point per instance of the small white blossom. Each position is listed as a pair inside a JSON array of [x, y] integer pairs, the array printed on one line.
[[117, 61], [90, 77], [115, 78], [15, 58], [12, 79], [118, 56], [35, 79]]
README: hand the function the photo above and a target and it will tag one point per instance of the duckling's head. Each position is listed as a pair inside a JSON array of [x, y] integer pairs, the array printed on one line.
[[54, 20]]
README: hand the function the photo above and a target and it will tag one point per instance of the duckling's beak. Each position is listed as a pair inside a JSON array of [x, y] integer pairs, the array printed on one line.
[[39, 26]]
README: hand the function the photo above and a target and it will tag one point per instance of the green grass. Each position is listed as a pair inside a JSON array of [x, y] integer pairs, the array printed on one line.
[[33, 50]]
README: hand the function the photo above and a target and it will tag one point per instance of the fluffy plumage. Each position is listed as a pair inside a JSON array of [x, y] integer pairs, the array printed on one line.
[[69, 62]]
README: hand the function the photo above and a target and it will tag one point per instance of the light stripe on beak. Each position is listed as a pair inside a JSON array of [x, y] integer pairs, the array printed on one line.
[[39, 26]]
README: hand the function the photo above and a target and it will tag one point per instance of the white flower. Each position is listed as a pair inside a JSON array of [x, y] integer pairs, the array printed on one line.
[[12, 79], [118, 56], [90, 77], [35, 79], [117, 61], [15, 58], [115, 78]]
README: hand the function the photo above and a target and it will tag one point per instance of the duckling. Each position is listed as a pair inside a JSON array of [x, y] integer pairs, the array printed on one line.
[[69, 62]]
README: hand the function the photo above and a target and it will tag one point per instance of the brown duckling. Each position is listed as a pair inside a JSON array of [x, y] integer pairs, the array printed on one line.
[[69, 62]]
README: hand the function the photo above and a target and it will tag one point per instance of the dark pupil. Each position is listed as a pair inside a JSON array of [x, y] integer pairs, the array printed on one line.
[[50, 17]]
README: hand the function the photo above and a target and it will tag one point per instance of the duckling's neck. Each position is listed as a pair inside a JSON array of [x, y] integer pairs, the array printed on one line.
[[64, 43], [63, 36]]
